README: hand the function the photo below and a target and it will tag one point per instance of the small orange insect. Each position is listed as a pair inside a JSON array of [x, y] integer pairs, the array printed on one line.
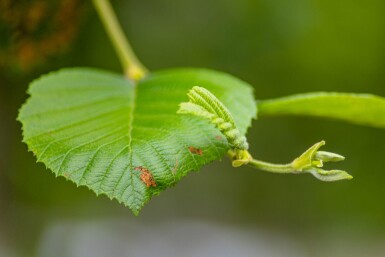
[[146, 176], [195, 150]]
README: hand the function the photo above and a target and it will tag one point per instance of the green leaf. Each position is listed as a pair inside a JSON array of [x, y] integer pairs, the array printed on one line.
[[123, 140], [363, 109]]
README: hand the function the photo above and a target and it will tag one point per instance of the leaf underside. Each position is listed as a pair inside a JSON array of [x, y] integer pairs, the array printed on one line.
[[126, 141], [362, 109]]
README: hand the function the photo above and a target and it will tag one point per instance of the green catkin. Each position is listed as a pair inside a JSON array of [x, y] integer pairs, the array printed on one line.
[[204, 104]]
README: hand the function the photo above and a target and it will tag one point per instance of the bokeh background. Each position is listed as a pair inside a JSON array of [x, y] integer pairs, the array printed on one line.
[[279, 47]]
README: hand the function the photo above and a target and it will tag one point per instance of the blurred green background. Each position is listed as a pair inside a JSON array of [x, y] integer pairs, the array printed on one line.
[[279, 47]]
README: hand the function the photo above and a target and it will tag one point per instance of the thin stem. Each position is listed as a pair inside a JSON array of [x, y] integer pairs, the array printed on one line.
[[271, 167], [132, 67], [311, 161]]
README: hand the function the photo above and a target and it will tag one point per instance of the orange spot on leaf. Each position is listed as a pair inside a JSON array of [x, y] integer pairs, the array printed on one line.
[[194, 150], [146, 176]]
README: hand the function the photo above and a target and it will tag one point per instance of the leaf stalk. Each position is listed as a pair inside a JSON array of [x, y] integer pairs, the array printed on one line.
[[132, 67]]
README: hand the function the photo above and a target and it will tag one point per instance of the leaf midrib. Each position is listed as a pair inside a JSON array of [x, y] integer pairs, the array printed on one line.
[[130, 127]]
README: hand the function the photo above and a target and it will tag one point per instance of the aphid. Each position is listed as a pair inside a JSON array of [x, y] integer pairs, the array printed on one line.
[[194, 150], [146, 176]]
